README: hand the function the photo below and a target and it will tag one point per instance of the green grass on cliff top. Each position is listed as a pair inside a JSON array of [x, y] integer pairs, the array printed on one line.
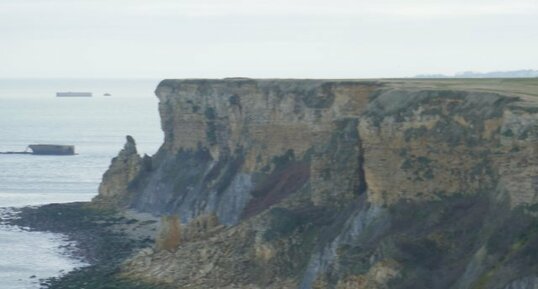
[[526, 88]]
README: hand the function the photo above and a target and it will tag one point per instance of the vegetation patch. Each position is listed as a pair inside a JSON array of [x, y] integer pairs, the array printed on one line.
[[415, 133], [319, 98], [282, 223], [434, 241], [211, 126], [420, 167], [356, 259], [295, 231], [211, 133], [281, 161], [234, 100], [508, 133]]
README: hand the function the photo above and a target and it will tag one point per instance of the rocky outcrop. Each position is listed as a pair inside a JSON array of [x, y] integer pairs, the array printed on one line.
[[337, 184], [123, 171]]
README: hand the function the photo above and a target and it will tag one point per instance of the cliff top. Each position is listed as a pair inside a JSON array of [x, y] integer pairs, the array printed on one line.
[[527, 88]]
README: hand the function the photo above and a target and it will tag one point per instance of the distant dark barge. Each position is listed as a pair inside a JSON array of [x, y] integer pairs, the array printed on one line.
[[74, 94], [50, 149], [47, 149]]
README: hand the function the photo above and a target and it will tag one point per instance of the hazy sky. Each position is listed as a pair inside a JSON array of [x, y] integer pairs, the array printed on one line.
[[276, 38]]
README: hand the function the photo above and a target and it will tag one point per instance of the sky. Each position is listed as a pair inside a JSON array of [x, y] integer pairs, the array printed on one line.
[[264, 39]]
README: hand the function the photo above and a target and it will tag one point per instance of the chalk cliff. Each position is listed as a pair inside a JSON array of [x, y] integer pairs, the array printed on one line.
[[338, 184]]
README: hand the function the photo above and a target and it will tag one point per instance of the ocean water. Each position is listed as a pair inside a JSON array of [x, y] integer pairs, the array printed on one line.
[[30, 113]]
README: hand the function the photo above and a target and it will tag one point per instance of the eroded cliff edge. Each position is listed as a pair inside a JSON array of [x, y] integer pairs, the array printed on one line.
[[337, 184]]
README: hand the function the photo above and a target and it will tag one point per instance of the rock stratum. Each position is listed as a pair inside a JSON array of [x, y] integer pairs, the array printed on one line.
[[337, 184]]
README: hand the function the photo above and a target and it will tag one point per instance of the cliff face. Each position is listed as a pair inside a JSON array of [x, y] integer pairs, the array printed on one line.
[[338, 184]]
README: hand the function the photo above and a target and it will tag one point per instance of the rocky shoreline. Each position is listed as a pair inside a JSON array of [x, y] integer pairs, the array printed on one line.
[[101, 238]]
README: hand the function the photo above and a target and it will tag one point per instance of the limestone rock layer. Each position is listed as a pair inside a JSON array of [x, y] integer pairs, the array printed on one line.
[[338, 184]]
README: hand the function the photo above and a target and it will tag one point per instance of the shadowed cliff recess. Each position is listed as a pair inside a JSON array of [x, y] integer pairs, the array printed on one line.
[[337, 184]]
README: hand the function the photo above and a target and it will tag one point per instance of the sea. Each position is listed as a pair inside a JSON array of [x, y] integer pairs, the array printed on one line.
[[30, 113]]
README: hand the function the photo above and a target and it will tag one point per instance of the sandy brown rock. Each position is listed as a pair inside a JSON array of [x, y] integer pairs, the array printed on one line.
[[338, 184]]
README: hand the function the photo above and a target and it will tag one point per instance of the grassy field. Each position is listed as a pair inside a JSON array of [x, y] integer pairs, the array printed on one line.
[[526, 88]]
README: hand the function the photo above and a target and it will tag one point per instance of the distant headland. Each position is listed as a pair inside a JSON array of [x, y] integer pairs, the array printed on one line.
[[524, 73]]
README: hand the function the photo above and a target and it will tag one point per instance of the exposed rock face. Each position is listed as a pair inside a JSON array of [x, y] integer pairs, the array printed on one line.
[[337, 184], [123, 170]]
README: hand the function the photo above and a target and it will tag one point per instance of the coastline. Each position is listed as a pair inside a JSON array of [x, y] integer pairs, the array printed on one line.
[[102, 238]]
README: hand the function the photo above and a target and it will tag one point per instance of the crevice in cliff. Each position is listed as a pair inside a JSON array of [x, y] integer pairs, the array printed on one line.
[[363, 186]]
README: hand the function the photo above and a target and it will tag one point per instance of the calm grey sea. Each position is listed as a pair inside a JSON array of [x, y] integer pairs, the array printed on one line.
[[30, 113]]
